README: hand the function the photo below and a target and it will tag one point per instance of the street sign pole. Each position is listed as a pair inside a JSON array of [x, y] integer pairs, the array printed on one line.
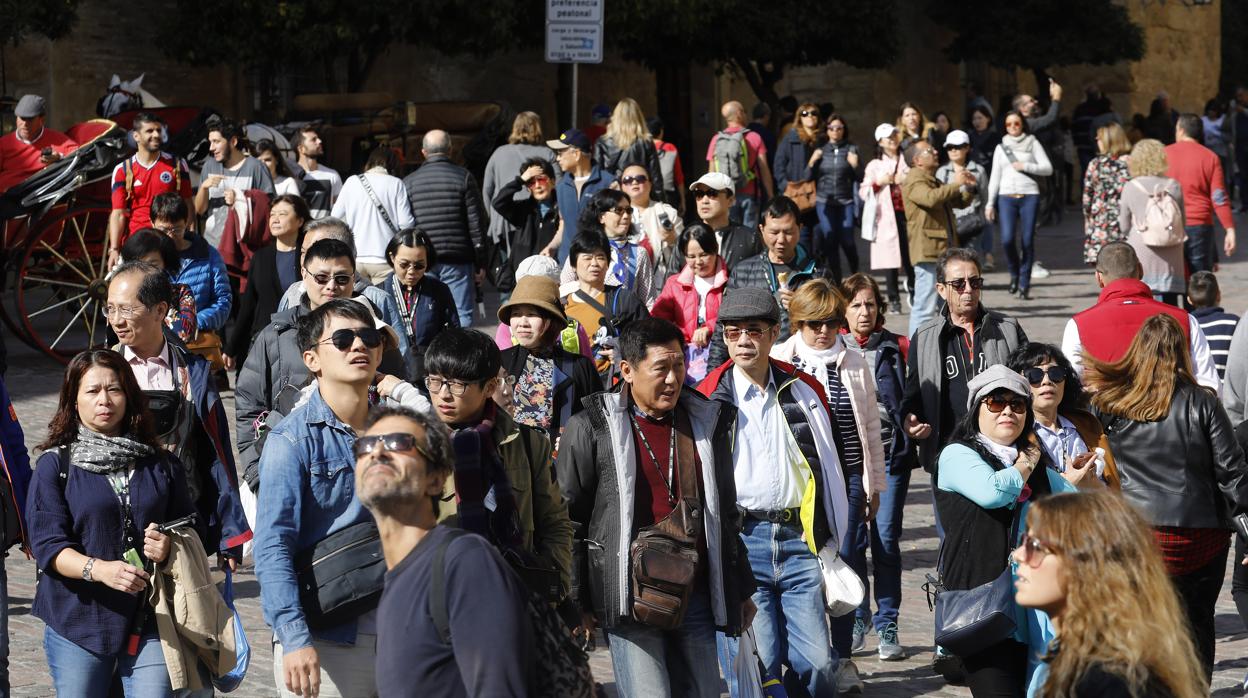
[[574, 35]]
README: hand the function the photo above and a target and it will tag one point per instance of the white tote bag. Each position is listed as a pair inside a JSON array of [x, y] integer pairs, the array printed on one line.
[[869, 212], [843, 589], [745, 666]]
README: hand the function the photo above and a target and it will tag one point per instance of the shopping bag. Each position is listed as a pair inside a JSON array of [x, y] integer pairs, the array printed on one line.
[[242, 649]]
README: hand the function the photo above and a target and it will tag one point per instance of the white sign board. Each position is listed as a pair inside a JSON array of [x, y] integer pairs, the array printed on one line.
[[574, 31]]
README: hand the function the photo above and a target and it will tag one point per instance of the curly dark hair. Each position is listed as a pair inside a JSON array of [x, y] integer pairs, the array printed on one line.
[[137, 422], [602, 202]]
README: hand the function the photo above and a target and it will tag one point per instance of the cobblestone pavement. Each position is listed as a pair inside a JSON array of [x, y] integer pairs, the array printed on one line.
[[33, 381]]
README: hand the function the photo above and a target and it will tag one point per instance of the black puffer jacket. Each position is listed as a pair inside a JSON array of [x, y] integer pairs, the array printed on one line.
[[446, 202], [1186, 470], [738, 244], [642, 152]]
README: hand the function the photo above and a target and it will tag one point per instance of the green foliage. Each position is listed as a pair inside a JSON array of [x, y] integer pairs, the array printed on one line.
[[51, 18], [1037, 34]]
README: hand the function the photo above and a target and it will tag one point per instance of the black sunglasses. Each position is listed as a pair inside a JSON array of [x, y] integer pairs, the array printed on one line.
[[705, 193], [635, 179], [831, 323], [996, 404], [397, 442], [807, 112], [1036, 375], [959, 285], [343, 339], [341, 280]]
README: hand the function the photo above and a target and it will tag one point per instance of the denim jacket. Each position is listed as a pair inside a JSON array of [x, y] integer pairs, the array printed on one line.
[[308, 493]]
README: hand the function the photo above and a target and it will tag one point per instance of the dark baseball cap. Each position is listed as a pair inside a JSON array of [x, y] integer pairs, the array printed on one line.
[[572, 138]]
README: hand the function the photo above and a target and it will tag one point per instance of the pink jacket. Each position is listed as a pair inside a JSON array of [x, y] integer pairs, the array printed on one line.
[[886, 250], [678, 302]]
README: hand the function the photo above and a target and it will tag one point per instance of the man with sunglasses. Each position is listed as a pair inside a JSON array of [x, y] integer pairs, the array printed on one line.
[[790, 487], [183, 399], [402, 463], [462, 367], [309, 494], [949, 350], [582, 178], [269, 383], [713, 197]]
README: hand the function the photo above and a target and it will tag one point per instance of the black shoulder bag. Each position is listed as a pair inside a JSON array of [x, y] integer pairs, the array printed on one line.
[[341, 577]]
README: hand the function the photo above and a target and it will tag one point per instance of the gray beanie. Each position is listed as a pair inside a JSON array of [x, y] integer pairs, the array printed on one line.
[[992, 378]]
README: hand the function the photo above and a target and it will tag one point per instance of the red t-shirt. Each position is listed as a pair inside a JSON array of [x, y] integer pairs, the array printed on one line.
[[149, 182], [19, 160], [1199, 171], [754, 149], [650, 498]]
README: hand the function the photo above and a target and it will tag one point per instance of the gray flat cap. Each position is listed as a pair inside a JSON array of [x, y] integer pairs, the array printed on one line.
[[992, 378], [749, 303], [30, 106]]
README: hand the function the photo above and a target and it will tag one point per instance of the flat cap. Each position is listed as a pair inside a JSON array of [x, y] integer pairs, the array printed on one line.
[[30, 106], [749, 303]]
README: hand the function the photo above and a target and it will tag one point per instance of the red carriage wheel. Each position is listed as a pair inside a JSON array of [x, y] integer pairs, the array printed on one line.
[[60, 285]]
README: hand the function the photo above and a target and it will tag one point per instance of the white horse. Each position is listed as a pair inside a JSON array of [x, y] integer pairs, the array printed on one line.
[[124, 96]]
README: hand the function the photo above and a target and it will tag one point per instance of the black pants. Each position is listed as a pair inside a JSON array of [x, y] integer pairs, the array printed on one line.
[[891, 276], [1239, 580], [1198, 594], [999, 671]]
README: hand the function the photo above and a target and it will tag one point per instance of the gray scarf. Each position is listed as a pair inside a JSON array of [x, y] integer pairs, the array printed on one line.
[[97, 453]]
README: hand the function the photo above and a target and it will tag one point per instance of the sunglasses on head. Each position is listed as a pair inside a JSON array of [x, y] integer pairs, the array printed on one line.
[[343, 339], [997, 403], [705, 193], [326, 279], [1036, 375], [1034, 551], [959, 285], [398, 442], [634, 179]]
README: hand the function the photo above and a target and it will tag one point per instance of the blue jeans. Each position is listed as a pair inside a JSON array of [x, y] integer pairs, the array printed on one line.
[[791, 626], [83, 674], [658, 663], [1017, 217], [1198, 249], [463, 289], [855, 556], [924, 306], [836, 232], [884, 536], [983, 245], [745, 210]]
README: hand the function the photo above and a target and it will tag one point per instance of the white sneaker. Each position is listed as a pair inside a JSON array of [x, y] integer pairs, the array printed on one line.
[[890, 649], [1039, 272], [848, 682]]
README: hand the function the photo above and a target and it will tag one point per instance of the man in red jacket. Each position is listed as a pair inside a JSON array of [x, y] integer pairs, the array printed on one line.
[[1199, 171], [1106, 330]]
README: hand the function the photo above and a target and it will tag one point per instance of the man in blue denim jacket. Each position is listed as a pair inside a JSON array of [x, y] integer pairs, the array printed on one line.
[[308, 493]]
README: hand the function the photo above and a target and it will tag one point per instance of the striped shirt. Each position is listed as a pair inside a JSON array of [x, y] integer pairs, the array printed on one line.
[[1218, 326], [844, 428]]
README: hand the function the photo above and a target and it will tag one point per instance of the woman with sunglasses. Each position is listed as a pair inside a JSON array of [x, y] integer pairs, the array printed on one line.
[[1088, 561], [426, 304], [533, 220], [1014, 194], [1067, 431], [610, 213], [1180, 463], [793, 152], [987, 474], [658, 225], [834, 168]]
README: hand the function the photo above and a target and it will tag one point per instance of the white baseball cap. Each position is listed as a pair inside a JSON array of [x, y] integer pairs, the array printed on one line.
[[884, 131], [715, 180], [957, 137]]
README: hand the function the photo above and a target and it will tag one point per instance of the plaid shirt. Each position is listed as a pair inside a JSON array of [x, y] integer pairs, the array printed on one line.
[[1186, 550]]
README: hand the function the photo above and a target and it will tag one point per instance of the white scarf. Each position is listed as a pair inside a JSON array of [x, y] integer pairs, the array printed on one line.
[[1019, 144], [817, 361], [1007, 454]]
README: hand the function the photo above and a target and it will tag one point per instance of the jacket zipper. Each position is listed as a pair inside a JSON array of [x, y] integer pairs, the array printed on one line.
[[343, 549]]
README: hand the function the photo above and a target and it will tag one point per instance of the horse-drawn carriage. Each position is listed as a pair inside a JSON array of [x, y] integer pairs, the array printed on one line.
[[54, 234]]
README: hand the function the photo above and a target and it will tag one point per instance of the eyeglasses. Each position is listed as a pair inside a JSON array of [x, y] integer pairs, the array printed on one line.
[[622, 211], [435, 383], [536, 180], [1036, 375], [125, 312], [996, 404], [343, 339], [412, 266], [1032, 548], [959, 285], [171, 229], [732, 334], [705, 194], [831, 323], [835, 127], [398, 443], [808, 112], [634, 179], [330, 279]]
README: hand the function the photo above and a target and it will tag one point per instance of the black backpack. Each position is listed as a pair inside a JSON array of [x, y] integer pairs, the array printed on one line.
[[560, 668]]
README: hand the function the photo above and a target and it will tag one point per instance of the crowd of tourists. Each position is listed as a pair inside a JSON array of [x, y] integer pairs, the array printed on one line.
[[691, 433]]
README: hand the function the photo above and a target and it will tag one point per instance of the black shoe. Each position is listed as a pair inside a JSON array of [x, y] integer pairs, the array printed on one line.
[[950, 667], [1025, 294], [894, 307], [1013, 286]]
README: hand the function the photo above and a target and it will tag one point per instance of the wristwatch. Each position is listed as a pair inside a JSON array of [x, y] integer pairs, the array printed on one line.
[[86, 570]]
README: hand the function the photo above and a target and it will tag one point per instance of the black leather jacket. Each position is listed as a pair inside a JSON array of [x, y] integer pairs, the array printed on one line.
[[1186, 470]]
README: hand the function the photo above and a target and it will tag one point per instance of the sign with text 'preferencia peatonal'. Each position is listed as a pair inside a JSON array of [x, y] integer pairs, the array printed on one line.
[[574, 31]]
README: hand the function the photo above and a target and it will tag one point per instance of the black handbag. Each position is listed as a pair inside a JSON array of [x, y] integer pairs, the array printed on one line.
[[341, 577]]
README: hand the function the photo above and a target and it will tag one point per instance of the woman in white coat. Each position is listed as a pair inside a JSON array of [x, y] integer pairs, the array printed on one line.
[[884, 215], [1014, 196]]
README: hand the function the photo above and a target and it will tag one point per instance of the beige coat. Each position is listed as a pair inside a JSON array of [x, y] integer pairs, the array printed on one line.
[[191, 615], [855, 375]]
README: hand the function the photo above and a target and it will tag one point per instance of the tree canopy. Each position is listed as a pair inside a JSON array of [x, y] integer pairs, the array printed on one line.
[[51, 18]]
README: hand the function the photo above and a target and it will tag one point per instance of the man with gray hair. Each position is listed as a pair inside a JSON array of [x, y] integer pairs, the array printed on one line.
[[447, 205]]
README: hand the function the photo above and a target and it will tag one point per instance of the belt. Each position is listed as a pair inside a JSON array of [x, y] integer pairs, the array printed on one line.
[[779, 516], [1013, 196]]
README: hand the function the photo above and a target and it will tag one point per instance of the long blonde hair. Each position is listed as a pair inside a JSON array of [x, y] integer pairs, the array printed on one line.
[[628, 124], [527, 128], [1121, 612], [1141, 384]]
